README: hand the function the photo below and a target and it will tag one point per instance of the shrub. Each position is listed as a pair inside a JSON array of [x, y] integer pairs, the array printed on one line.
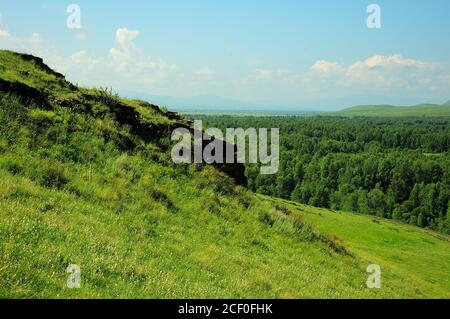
[[162, 198], [49, 174], [11, 109], [12, 164], [43, 117], [211, 179]]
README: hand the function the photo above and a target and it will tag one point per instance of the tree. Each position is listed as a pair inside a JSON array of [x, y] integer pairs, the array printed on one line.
[[421, 221], [377, 203], [400, 212], [363, 202]]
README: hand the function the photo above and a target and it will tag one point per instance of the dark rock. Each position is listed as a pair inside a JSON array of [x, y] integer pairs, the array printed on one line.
[[24, 92]]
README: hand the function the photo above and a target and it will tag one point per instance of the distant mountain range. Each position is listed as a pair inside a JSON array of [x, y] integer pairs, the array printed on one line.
[[184, 102], [217, 104], [209, 103], [214, 103]]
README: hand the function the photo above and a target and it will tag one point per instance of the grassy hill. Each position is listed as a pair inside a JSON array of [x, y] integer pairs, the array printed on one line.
[[429, 110], [400, 246], [86, 178]]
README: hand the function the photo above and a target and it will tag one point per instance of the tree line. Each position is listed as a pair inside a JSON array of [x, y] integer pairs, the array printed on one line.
[[391, 168]]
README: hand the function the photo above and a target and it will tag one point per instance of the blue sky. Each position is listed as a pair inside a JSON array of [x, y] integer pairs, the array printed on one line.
[[304, 54]]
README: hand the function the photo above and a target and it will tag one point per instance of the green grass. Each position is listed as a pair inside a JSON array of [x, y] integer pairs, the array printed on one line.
[[422, 110], [86, 178], [415, 252], [131, 243]]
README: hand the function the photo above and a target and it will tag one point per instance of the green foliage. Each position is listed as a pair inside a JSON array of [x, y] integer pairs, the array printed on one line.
[[392, 168], [49, 174], [425, 110]]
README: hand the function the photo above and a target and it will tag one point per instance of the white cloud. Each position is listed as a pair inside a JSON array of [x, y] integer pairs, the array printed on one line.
[[390, 62], [125, 37], [378, 74], [132, 61], [35, 38], [326, 67], [264, 74], [81, 58], [382, 66], [446, 78], [392, 75], [388, 73], [4, 33], [373, 67], [126, 51], [80, 35], [205, 71], [123, 55]]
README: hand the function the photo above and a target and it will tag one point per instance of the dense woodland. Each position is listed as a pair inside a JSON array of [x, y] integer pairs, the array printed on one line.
[[392, 168]]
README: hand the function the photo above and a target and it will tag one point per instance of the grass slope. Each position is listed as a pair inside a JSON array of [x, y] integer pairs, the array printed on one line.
[[86, 178], [429, 110], [415, 252]]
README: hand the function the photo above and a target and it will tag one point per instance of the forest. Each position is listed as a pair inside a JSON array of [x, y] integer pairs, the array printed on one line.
[[395, 168]]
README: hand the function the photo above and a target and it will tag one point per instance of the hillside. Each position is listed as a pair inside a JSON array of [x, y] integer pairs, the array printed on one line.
[[428, 110], [385, 242], [86, 178]]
